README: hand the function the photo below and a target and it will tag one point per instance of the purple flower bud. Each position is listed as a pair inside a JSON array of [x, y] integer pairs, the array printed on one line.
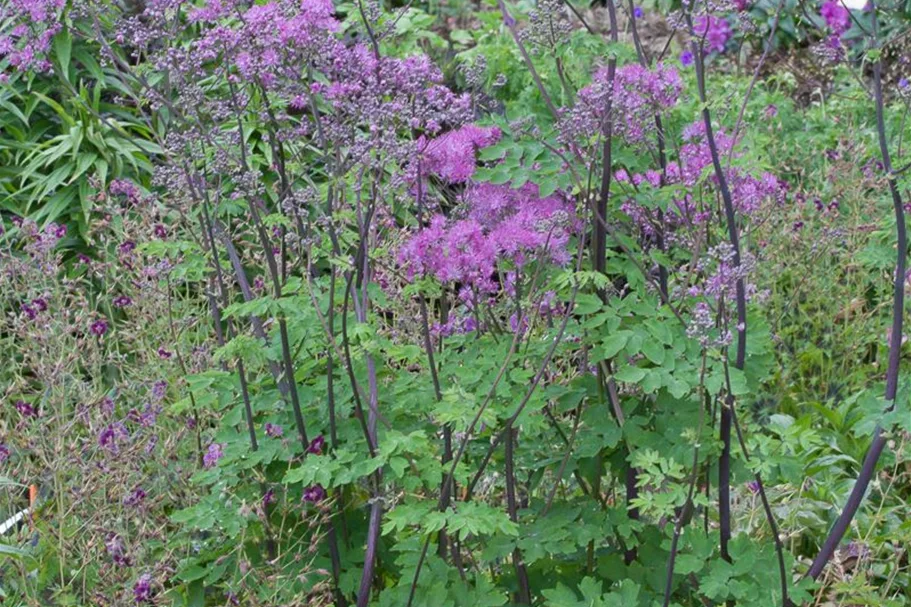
[[753, 486], [164, 354], [637, 12], [40, 304], [268, 497], [160, 231], [314, 494], [122, 301], [316, 445], [99, 327], [687, 59], [903, 83]]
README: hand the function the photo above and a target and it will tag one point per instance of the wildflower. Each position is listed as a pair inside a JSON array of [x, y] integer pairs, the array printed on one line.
[[160, 231], [213, 454], [117, 550], [316, 445], [25, 409], [753, 486], [29, 311], [314, 494], [686, 59], [112, 435], [40, 304], [122, 301], [268, 497], [274, 430], [99, 327], [164, 354], [836, 16], [135, 498], [714, 30], [159, 389], [903, 83], [4, 452], [142, 589], [638, 12], [771, 110]]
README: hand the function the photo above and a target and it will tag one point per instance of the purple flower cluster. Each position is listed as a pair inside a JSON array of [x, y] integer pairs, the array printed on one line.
[[117, 550], [274, 430], [500, 223], [714, 30], [836, 16], [637, 94], [125, 189], [213, 454], [113, 436], [26, 30], [451, 156]]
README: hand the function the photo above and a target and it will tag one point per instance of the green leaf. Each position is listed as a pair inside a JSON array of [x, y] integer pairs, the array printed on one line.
[[630, 374]]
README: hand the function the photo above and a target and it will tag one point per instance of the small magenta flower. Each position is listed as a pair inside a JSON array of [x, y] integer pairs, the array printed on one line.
[[142, 590], [29, 310], [160, 231], [314, 494], [686, 59], [122, 301], [213, 454], [25, 409], [268, 497], [40, 304], [753, 486], [274, 430], [99, 327], [164, 354], [316, 445]]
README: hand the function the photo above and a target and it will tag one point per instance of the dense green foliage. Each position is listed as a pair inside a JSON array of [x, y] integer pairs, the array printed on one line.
[[217, 247]]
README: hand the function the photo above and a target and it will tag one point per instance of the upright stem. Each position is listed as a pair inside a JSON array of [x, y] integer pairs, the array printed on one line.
[[898, 307], [524, 596], [724, 461]]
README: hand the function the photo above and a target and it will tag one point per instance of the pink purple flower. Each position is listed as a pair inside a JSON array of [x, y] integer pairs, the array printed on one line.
[[142, 589], [99, 327], [213, 454], [316, 445], [314, 494], [836, 16]]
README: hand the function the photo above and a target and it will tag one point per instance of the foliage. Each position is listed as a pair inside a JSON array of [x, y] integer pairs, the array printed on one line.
[[326, 304]]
